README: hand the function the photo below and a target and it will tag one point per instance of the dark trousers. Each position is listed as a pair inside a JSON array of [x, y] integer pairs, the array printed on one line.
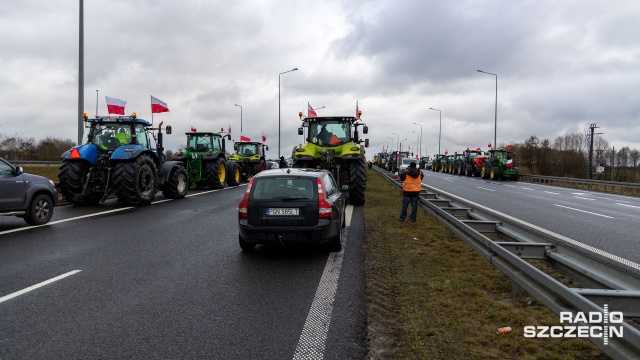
[[414, 207]]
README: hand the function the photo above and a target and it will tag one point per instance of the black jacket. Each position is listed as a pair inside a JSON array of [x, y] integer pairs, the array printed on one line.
[[414, 172]]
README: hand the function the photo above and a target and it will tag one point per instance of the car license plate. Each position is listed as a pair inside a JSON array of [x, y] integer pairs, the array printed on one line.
[[283, 211]]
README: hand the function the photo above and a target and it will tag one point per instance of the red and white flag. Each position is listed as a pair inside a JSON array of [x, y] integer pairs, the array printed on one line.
[[310, 111], [489, 146], [357, 111], [115, 106], [193, 129], [244, 137], [510, 163], [264, 137], [158, 106]]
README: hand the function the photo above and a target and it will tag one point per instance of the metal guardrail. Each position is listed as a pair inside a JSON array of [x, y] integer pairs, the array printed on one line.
[[614, 283], [35, 162], [625, 188]]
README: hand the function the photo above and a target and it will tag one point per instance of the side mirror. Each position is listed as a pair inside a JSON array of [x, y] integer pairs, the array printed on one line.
[[365, 129], [267, 147], [300, 131], [366, 142], [19, 170], [168, 129]]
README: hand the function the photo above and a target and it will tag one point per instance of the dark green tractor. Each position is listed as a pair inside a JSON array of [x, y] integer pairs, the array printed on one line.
[[205, 161], [439, 162], [250, 156], [499, 165], [333, 143]]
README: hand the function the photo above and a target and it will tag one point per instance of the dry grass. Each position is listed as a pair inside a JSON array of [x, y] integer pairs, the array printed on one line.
[[50, 172], [432, 297]]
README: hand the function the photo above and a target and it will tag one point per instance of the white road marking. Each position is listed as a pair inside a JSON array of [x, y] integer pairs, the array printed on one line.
[[526, 188], [633, 206], [552, 193], [106, 212], [584, 198], [588, 212], [480, 187], [510, 185], [314, 334], [47, 282], [584, 246]]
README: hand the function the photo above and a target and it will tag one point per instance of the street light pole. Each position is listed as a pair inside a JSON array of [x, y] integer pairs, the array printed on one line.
[[241, 117], [398, 143], [440, 132], [389, 137], [417, 133], [495, 129], [294, 69], [420, 150]]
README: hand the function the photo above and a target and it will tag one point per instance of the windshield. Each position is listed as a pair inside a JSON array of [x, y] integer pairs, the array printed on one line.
[[329, 132], [248, 149], [110, 136], [202, 143], [284, 188], [500, 154], [407, 161]]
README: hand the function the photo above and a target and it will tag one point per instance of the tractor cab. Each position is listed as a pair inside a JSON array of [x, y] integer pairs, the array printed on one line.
[[109, 133], [203, 142], [248, 149]]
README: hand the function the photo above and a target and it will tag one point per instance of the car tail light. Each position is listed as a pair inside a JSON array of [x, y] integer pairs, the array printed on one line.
[[243, 207], [324, 207]]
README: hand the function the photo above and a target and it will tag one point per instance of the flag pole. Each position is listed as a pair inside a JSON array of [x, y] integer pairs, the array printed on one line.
[[151, 102]]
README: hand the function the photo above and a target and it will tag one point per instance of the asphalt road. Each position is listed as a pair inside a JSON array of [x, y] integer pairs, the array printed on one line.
[[170, 281], [608, 222]]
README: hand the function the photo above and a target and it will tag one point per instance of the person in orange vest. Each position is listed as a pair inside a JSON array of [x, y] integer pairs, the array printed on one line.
[[411, 184]]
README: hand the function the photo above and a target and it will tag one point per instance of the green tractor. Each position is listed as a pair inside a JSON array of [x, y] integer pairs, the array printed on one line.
[[205, 162], [333, 143], [251, 158], [499, 165], [439, 163]]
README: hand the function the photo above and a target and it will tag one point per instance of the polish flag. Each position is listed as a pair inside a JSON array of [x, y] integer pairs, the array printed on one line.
[[264, 137], [489, 146], [115, 106], [193, 129], [310, 111], [510, 163], [357, 111], [158, 106], [244, 137]]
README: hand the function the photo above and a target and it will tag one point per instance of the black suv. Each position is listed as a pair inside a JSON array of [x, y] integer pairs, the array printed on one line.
[[292, 205], [31, 197]]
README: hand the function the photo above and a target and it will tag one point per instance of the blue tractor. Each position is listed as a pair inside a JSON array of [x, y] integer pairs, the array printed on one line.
[[117, 158]]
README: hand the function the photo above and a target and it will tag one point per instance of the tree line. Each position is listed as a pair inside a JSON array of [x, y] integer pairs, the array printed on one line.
[[16, 148], [568, 156]]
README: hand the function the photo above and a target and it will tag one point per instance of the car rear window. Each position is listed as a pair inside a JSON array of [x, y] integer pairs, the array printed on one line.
[[284, 188]]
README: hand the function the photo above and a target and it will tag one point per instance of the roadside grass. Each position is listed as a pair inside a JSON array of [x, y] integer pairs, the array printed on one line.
[[430, 296], [50, 172]]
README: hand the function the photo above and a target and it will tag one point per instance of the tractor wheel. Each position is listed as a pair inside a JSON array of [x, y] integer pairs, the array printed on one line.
[[71, 182], [136, 181], [256, 168], [215, 173], [494, 173], [484, 172], [177, 184], [40, 210], [468, 170], [245, 246], [357, 182], [233, 173]]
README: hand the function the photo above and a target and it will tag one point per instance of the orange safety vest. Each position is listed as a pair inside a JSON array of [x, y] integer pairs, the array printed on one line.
[[411, 184]]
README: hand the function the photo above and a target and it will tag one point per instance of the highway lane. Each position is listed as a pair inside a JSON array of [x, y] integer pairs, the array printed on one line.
[[169, 281], [605, 221]]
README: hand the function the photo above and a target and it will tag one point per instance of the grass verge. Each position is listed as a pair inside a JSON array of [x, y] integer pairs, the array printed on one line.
[[430, 296]]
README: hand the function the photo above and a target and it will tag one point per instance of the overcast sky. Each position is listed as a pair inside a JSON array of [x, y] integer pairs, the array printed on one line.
[[560, 66]]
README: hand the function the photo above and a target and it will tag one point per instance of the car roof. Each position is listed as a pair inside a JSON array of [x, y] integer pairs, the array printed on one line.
[[291, 171]]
